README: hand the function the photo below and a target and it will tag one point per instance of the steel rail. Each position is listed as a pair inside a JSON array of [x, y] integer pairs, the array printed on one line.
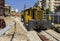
[[2, 31]]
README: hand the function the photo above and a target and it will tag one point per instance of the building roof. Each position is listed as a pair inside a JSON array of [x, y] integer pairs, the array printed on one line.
[[6, 5]]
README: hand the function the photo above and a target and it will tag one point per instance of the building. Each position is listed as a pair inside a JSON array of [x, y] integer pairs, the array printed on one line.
[[40, 3], [4, 8], [2, 12], [7, 9], [14, 12], [51, 4]]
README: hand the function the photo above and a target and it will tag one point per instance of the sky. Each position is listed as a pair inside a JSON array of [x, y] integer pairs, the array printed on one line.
[[19, 4]]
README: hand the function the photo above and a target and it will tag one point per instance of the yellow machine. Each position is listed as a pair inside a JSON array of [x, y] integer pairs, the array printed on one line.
[[34, 13], [33, 17]]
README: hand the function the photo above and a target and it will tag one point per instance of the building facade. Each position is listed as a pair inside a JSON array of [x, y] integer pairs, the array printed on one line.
[[2, 12], [7, 9], [51, 4], [40, 3]]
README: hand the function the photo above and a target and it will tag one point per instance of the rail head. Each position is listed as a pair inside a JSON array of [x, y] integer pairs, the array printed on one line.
[[9, 26]]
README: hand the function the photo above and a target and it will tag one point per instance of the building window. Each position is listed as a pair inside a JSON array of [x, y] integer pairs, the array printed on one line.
[[1, 11], [1, 0]]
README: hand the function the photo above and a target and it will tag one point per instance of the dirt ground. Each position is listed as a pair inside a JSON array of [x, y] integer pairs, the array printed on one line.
[[8, 35]]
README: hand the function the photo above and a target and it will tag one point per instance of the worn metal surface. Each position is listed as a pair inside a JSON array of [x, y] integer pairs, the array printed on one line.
[[2, 31], [53, 34], [47, 36], [43, 38]]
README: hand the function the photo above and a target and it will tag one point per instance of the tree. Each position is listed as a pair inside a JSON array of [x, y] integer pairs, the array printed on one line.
[[47, 11], [36, 4]]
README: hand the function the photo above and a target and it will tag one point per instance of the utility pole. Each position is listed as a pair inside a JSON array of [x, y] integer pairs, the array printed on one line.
[[24, 6], [24, 9]]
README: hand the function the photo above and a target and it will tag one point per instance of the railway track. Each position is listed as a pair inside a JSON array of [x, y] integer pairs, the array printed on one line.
[[9, 26], [49, 35]]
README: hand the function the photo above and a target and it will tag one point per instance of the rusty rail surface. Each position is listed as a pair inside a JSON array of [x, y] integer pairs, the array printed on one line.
[[53, 34], [43, 38]]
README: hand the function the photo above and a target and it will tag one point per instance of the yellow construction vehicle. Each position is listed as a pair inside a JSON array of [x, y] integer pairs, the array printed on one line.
[[34, 13], [34, 17]]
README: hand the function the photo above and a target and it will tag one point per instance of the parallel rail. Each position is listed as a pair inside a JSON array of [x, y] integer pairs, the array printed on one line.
[[2, 31], [49, 35], [53, 34]]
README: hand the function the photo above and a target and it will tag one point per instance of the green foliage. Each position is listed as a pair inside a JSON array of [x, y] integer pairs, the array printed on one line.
[[6, 9], [36, 4], [47, 11]]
